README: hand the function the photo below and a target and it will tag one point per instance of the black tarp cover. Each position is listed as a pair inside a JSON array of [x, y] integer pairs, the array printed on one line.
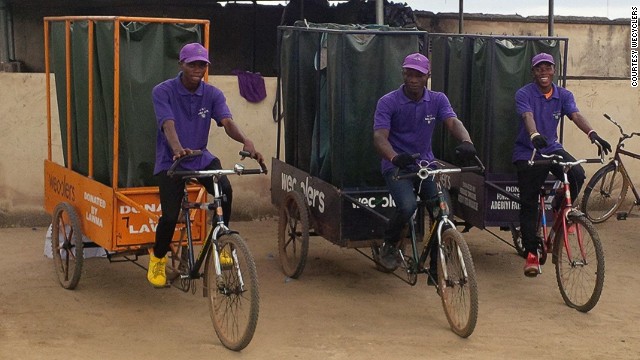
[[332, 77], [480, 75], [148, 55]]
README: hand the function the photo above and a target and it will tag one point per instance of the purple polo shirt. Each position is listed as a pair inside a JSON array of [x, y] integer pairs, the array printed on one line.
[[192, 114], [411, 123], [546, 113]]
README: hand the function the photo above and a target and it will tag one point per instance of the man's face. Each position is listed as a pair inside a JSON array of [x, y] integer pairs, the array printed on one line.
[[543, 74], [414, 80], [193, 72]]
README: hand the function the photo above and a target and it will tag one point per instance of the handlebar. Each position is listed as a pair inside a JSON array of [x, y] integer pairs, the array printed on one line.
[[424, 171], [624, 136], [238, 169], [559, 160]]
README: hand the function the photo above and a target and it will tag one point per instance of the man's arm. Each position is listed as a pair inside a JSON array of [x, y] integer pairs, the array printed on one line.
[[582, 124], [234, 132], [529, 123], [169, 130], [382, 145], [466, 150], [457, 129]]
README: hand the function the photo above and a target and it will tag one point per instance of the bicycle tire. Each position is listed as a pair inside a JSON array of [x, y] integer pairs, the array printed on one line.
[[233, 298], [459, 294], [68, 257], [580, 284], [293, 235], [604, 193]]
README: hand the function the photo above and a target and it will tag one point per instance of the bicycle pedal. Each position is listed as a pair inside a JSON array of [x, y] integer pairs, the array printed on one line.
[[621, 216]]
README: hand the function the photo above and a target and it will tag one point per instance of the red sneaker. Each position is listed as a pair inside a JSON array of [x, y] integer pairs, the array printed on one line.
[[532, 266]]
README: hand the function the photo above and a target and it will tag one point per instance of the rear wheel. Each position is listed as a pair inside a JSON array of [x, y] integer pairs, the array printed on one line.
[[457, 284], [66, 245], [293, 234], [604, 193], [233, 296], [580, 276]]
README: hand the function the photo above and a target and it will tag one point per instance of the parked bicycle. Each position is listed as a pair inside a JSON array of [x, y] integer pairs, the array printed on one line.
[[607, 189], [456, 277], [573, 242], [230, 280]]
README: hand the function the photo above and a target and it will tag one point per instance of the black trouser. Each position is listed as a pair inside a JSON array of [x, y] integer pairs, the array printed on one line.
[[171, 192], [530, 180]]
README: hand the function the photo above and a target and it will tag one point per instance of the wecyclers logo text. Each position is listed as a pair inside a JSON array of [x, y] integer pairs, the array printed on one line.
[[62, 188], [634, 47]]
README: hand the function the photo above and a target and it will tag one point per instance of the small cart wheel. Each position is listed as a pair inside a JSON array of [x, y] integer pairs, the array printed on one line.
[[293, 234], [66, 245]]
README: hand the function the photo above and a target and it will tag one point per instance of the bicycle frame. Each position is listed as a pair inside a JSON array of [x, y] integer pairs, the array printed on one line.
[[194, 264], [441, 219], [559, 221], [561, 216], [435, 234], [211, 242]]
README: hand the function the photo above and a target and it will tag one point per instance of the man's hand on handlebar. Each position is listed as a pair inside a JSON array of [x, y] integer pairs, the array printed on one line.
[[603, 145], [184, 152], [539, 141], [403, 160], [466, 151], [251, 150]]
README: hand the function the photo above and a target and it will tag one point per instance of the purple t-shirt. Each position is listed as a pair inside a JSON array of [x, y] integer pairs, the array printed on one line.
[[192, 114], [411, 123], [546, 114]]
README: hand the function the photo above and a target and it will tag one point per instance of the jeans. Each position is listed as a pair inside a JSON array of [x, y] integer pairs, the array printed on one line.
[[403, 192], [530, 180], [171, 193]]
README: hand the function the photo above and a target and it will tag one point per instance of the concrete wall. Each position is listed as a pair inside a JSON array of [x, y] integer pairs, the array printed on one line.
[[23, 140], [597, 47]]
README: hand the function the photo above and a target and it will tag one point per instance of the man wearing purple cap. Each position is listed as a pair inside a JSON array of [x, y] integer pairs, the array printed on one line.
[[541, 104], [403, 126], [184, 107]]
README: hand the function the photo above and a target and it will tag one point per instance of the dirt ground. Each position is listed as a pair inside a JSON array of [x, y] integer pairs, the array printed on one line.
[[340, 308]]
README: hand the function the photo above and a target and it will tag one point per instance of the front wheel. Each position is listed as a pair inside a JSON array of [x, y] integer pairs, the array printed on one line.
[[457, 283], [579, 264], [604, 193], [233, 296]]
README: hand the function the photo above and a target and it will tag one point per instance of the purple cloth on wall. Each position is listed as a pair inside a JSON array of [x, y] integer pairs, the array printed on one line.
[[251, 85]]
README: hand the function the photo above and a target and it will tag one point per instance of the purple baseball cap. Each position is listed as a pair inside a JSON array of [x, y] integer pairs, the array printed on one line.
[[417, 61], [542, 57], [194, 52]]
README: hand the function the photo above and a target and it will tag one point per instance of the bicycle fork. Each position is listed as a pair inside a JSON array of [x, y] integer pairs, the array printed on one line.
[[221, 228], [441, 251]]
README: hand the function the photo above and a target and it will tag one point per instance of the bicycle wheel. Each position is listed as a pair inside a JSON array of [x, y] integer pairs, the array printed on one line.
[[293, 234], [233, 297], [580, 279], [66, 245], [459, 292], [604, 193]]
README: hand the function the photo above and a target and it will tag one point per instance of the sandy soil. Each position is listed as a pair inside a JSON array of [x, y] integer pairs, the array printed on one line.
[[340, 308]]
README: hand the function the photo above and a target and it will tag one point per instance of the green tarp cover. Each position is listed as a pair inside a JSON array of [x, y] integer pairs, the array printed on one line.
[[148, 55], [332, 77], [480, 75]]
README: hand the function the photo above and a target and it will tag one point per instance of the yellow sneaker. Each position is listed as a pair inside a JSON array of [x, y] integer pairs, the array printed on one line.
[[156, 273], [226, 261]]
